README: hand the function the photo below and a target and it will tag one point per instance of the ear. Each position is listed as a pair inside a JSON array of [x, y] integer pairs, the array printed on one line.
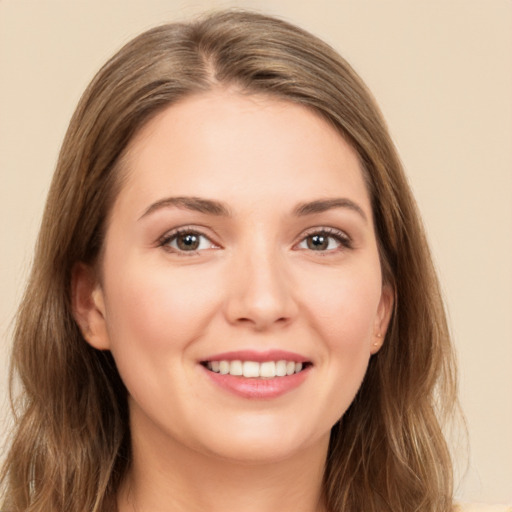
[[88, 306], [384, 311]]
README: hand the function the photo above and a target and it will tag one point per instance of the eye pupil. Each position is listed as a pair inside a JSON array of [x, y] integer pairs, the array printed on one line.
[[188, 242], [318, 242]]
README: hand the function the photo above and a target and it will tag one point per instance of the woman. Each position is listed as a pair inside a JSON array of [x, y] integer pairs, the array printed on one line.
[[232, 304]]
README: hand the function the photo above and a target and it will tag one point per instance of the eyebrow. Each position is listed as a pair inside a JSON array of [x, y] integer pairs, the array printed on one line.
[[323, 205], [196, 204], [217, 208]]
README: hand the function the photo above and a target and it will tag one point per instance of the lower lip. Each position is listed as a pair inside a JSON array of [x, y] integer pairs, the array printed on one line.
[[258, 388]]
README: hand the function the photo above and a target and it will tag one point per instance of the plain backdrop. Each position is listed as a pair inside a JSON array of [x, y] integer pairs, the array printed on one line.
[[442, 74]]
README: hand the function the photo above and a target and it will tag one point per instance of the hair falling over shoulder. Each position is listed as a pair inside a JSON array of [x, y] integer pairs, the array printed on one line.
[[70, 445]]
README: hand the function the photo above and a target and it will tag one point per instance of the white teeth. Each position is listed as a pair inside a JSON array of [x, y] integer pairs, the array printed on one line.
[[268, 369], [235, 368], [253, 369], [223, 367], [281, 368]]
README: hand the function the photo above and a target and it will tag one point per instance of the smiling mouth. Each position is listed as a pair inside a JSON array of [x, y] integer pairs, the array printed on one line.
[[256, 370]]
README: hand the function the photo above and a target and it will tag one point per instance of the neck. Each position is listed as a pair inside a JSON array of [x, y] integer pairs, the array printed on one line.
[[166, 477]]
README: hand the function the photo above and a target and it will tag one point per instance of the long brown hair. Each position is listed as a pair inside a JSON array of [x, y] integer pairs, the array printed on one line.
[[71, 444]]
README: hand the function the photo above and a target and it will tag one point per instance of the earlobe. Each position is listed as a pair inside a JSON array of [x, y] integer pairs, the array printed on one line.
[[88, 306], [383, 318]]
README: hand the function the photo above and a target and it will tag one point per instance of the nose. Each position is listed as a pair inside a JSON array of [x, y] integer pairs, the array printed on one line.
[[260, 292]]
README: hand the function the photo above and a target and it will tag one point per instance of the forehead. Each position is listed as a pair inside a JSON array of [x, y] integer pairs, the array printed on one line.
[[241, 148]]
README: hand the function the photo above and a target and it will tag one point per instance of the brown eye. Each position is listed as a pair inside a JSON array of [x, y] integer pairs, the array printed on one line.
[[325, 240], [187, 242], [318, 242]]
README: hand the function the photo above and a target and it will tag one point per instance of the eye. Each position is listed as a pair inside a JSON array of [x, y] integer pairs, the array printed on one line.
[[186, 240], [325, 240]]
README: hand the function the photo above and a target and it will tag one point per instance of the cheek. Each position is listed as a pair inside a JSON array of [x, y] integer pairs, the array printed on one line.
[[151, 307], [344, 309], [345, 317], [343, 313], [153, 316]]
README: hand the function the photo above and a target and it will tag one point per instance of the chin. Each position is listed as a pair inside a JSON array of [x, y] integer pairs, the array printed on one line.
[[261, 451], [264, 442]]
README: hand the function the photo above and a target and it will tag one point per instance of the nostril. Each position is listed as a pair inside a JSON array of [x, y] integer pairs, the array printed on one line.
[[260, 300]]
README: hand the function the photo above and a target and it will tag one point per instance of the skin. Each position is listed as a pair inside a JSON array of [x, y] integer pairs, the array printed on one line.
[[254, 283]]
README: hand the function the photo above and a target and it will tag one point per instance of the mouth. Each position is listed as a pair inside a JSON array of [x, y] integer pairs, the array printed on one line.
[[257, 375], [255, 369]]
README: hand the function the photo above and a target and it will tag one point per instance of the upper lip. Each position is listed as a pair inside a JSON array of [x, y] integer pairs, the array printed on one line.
[[258, 356]]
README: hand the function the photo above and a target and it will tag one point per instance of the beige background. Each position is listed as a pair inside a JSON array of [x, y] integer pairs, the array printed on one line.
[[442, 73]]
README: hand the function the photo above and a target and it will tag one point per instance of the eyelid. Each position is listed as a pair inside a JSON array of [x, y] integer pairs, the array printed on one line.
[[168, 236], [344, 240], [341, 236]]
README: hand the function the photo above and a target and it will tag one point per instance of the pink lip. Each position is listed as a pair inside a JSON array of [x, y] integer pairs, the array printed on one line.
[[257, 356], [256, 388]]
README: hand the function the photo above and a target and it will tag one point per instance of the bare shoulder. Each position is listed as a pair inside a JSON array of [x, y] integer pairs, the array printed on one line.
[[481, 507]]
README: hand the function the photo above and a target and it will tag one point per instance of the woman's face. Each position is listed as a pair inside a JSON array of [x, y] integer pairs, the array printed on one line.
[[241, 241]]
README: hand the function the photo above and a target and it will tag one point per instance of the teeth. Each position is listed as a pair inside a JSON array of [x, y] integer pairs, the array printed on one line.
[[235, 368], [268, 369], [223, 367], [281, 368], [253, 369]]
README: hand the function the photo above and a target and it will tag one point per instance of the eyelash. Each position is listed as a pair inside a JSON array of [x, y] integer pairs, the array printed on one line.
[[174, 235], [341, 238]]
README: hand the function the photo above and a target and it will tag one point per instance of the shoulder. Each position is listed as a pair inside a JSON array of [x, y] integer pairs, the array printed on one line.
[[481, 507]]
